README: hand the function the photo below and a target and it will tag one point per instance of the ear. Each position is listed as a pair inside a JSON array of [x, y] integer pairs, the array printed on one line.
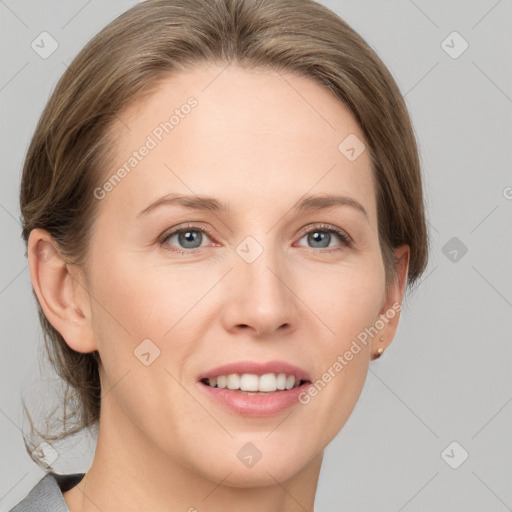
[[61, 293], [392, 306]]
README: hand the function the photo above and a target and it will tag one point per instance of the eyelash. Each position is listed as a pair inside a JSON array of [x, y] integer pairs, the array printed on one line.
[[345, 239]]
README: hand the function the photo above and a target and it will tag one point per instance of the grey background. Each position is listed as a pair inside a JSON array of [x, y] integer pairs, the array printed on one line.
[[447, 375]]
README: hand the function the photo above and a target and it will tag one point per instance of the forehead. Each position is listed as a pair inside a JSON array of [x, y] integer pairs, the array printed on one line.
[[245, 136]]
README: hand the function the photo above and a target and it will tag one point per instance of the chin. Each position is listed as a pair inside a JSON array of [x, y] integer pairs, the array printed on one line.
[[268, 465]]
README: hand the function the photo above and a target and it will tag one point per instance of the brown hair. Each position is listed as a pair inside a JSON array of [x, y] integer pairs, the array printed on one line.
[[69, 153]]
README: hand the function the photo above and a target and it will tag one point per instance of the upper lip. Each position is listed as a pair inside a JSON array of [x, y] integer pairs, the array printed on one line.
[[257, 368]]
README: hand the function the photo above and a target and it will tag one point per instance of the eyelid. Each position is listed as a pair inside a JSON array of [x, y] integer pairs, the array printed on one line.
[[180, 229], [343, 236]]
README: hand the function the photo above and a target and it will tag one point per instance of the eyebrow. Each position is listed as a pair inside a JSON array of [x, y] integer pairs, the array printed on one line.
[[192, 202], [305, 203]]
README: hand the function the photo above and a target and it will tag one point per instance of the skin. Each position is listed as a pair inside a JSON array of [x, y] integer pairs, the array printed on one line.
[[259, 141]]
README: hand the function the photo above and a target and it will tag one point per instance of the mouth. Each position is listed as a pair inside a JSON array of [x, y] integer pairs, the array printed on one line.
[[255, 389], [253, 384]]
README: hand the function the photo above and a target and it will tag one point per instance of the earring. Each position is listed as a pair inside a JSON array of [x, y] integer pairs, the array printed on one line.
[[378, 354], [380, 350]]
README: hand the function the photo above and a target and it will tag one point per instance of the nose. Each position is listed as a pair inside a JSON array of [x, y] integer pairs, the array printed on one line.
[[259, 297]]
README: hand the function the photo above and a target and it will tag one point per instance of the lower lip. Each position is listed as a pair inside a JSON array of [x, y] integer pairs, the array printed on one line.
[[255, 405]]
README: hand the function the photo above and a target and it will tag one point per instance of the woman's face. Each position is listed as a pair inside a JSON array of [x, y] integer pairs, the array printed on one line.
[[242, 283]]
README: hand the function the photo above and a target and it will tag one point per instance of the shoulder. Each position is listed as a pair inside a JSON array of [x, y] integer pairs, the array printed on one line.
[[46, 495]]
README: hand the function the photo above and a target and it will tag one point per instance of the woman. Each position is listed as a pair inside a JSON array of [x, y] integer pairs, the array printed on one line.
[[223, 208]]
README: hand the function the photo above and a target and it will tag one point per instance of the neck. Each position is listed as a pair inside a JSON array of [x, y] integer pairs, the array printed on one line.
[[130, 473]]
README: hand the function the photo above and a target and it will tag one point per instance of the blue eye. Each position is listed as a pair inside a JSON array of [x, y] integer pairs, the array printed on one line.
[[321, 236], [189, 237]]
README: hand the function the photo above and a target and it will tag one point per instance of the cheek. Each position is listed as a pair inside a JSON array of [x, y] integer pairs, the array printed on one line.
[[340, 376], [346, 298], [136, 303], [148, 301], [347, 301], [133, 306]]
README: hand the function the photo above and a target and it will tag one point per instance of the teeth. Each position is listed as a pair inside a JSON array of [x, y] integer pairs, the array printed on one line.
[[267, 383], [234, 381], [248, 382], [290, 382], [281, 381]]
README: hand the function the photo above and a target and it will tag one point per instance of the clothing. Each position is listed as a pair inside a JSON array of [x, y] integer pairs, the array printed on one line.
[[46, 495]]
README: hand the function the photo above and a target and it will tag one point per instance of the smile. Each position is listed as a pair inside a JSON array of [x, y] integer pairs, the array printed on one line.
[[255, 389], [250, 382]]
